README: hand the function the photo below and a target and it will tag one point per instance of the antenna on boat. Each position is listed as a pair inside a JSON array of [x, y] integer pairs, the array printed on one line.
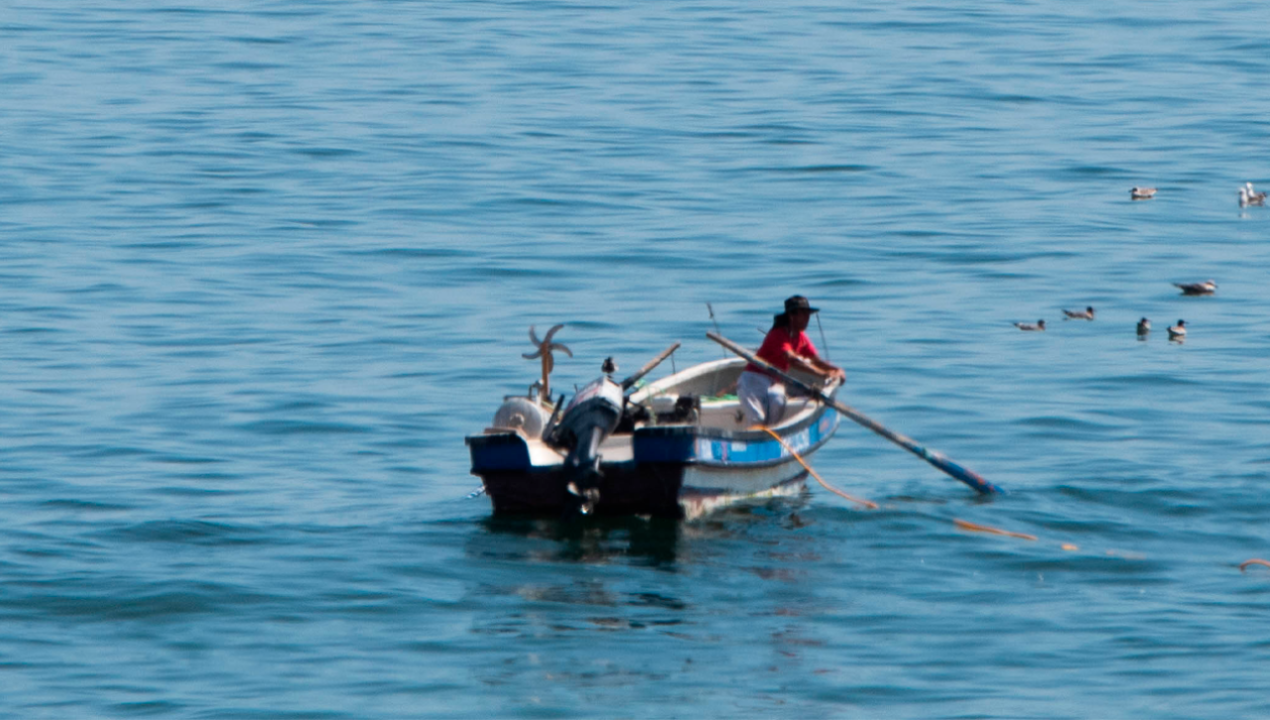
[[823, 342], [716, 326], [545, 347]]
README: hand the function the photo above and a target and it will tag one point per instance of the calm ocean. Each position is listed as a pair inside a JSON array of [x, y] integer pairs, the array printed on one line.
[[266, 263]]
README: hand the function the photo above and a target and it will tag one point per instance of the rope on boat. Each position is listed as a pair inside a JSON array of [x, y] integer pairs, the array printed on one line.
[[866, 503]]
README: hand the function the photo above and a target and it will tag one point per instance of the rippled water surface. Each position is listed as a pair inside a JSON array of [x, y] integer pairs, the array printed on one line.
[[265, 265]]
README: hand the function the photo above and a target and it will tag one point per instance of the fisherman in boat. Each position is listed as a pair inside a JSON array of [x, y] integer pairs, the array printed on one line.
[[762, 395]]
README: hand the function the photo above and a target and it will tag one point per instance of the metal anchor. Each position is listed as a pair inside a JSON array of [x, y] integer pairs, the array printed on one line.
[[545, 347]]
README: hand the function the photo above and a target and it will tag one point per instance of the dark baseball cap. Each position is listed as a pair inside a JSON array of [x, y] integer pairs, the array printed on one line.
[[798, 302]]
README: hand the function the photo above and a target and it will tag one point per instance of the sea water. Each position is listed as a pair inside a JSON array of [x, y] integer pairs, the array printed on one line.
[[265, 264]]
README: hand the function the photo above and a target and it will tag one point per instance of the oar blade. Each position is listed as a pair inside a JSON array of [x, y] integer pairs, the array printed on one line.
[[966, 475]]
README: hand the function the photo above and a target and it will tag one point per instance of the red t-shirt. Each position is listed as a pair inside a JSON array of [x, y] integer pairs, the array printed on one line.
[[776, 346]]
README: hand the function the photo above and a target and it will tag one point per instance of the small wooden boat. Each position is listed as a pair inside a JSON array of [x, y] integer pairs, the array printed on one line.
[[677, 447]]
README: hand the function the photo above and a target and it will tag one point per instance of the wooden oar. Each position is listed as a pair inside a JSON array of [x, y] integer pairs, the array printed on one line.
[[933, 457], [628, 382]]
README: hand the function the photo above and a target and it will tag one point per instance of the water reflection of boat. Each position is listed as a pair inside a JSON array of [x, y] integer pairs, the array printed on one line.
[[677, 447], [652, 542], [626, 539]]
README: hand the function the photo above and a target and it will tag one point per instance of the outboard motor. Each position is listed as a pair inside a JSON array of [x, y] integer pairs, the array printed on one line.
[[588, 420]]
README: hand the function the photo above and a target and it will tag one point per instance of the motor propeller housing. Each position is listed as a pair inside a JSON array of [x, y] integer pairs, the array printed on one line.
[[591, 417]]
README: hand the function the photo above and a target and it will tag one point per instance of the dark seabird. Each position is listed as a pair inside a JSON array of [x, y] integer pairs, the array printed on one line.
[[1039, 326], [1086, 314], [1178, 331], [1208, 287], [1144, 326], [1141, 193]]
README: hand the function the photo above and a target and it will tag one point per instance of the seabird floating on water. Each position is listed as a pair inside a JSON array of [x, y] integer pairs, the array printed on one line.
[[1248, 196], [1208, 287], [1141, 193], [1144, 326], [1086, 314], [1039, 326], [1178, 331]]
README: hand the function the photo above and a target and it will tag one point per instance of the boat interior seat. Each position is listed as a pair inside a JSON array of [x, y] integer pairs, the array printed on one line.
[[721, 411], [708, 398]]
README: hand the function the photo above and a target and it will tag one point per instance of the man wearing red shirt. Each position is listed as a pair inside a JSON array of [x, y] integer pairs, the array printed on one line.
[[762, 396]]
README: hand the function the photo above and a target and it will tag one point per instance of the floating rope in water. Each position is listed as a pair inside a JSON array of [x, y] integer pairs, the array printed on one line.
[[866, 503], [976, 527], [1070, 547], [1243, 566]]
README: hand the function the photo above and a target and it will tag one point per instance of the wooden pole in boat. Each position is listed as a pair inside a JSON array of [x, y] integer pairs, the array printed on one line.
[[933, 457], [628, 382]]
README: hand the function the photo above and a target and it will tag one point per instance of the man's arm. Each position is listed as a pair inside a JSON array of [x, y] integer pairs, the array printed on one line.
[[816, 366]]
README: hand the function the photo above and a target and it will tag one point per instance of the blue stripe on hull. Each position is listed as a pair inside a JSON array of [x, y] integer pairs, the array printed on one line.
[[692, 445], [675, 444]]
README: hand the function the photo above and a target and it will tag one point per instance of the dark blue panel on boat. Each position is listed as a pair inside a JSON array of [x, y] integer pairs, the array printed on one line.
[[664, 444], [503, 451]]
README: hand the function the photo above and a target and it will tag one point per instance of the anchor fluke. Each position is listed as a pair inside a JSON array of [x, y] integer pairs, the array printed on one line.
[[545, 348]]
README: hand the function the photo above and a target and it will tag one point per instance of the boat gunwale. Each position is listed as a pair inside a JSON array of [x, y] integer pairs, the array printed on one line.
[[812, 413]]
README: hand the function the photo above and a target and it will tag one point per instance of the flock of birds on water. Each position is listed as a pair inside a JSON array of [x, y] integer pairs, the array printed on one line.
[[1247, 196]]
